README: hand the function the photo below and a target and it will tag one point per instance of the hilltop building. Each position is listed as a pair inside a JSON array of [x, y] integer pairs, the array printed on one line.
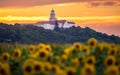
[[52, 21]]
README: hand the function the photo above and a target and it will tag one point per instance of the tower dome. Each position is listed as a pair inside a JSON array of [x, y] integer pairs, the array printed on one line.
[[52, 16]]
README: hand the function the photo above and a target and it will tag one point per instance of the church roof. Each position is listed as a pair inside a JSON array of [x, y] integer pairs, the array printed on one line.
[[51, 22]]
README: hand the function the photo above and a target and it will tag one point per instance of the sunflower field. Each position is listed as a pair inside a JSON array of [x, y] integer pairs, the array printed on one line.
[[90, 58]]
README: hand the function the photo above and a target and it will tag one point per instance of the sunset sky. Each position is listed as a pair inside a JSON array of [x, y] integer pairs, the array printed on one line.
[[101, 15]]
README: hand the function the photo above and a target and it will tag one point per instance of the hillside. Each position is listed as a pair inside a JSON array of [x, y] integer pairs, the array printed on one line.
[[33, 34]]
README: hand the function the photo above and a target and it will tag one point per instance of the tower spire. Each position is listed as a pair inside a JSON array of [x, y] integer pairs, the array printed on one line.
[[52, 16]]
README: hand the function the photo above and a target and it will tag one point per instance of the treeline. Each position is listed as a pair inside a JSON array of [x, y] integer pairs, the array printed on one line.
[[33, 34]]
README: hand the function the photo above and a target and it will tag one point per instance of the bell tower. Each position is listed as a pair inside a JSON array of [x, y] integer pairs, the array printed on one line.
[[52, 16]]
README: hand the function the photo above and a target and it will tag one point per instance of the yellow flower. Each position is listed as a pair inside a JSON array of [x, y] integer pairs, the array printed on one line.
[[17, 53], [66, 51], [112, 51], [27, 69], [4, 69], [63, 57], [47, 67], [92, 42], [42, 54], [109, 61], [101, 46], [90, 60], [55, 69], [88, 70], [118, 52], [41, 46], [31, 48], [48, 48], [119, 68], [5, 56], [81, 59], [77, 46], [86, 49], [70, 71], [37, 67], [112, 70], [28, 66], [75, 62]]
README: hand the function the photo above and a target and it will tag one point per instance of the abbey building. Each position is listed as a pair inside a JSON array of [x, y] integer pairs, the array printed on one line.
[[52, 22]]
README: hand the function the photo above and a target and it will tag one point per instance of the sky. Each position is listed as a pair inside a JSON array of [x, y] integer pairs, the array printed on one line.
[[100, 15]]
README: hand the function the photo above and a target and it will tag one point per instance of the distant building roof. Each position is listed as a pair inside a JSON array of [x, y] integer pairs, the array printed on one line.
[[50, 22]]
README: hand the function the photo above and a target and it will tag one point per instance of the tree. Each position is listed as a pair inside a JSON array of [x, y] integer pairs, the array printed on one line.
[[56, 26]]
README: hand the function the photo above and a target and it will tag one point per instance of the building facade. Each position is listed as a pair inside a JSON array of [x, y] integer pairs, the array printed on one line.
[[52, 21]]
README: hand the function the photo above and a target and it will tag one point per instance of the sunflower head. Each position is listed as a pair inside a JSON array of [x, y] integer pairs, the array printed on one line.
[[5, 56], [41, 46], [75, 62], [63, 57], [88, 70], [70, 71], [27, 69], [47, 67], [101, 46], [86, 50], [48, 48], [119, 68], [17, 53], [55, 69], [77, 46], [4, 69], [112, 70], [112, 51], [42, 54], [66, 51], [109, 61], [90, 60], [92, 42], [81, 59], [37, 67], [31, 48]]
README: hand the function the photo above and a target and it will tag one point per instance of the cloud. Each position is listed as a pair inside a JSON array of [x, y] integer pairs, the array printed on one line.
[[103, 3], [109, 3], [28, 3]]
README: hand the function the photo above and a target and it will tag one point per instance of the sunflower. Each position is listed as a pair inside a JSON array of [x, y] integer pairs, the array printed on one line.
[[119, 68], [41, 46], [86, 50], [75, 62], [17, 53], [66, 51], [63, 57], [101, 46], [31, 48], [92, 42], [4, 69], [81, 59], [77, 46], [48, 48], [55, 69], [90, 60], [5, 56], [47, 67], [88, 70], [37, 67], [112, 70], [112, 51], [42, 54], [27, 69], [118, 52], [70, 71], [109, 61]]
